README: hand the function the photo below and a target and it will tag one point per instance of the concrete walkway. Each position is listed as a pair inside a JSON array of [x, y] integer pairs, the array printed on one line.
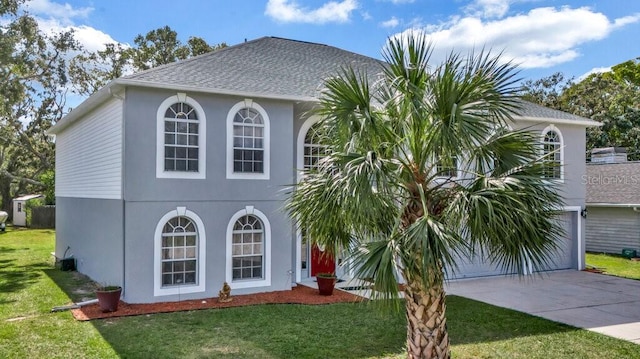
[[600, 303]]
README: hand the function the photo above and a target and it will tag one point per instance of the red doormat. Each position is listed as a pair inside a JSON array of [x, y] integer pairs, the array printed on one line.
[[297, 295]]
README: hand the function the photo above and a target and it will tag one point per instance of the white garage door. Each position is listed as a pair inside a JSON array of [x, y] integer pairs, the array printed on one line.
[[561, 258]]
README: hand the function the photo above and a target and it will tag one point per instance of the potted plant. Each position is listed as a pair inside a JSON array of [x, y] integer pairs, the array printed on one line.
[[326, 282], [108, 297]]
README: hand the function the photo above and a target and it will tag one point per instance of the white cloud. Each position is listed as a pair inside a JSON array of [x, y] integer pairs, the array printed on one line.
[[626, 20], [595, 70], [92, 39], [61, 12], [291, 11], [391, 23], [543, 37], [397, 2], [53, 18], [489, 8]]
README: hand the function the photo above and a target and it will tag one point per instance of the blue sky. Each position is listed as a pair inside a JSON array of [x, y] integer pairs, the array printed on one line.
[[544, 36]]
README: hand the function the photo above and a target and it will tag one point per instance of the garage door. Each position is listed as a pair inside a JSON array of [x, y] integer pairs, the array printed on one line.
[[561, 258]]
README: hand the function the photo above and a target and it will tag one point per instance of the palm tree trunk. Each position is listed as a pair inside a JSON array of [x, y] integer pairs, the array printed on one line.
[[427, 335]]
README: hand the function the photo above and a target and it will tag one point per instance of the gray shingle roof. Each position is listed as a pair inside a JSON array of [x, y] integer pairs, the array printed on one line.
[[272, 66], [533, 110], [615, 183], [269, 66]]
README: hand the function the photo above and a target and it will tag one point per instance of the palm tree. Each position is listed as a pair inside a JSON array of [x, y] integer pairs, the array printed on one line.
[[387, 191]]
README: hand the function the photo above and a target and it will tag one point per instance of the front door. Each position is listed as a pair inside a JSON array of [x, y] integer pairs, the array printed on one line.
[[321, 262]]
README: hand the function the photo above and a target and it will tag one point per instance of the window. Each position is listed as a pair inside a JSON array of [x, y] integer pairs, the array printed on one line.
[[447, 167], [247, 141], [553, 153], [19, 207], [179, 253], [181, 138], [313, 151], [248, 249]]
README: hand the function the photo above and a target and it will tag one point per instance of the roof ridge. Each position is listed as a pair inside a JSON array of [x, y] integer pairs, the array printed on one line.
[[327, 46], [185, 61]]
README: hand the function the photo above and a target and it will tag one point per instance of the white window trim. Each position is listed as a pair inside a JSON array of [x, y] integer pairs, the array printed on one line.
[[248, 103], [202, 139], [302, 134], [556, 130], [158, 290], [266, 280]]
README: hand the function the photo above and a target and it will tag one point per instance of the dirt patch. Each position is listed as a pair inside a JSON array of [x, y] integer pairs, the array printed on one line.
[[297, 295], [593, 270]]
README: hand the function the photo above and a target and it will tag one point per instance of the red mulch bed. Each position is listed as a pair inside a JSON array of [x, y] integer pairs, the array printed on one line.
[[297, 295]]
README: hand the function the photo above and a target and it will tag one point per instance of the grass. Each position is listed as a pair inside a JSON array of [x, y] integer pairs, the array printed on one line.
[[30, 287], [616, 265], [28, 291]]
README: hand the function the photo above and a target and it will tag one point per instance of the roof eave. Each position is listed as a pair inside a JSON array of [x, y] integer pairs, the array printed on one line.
[[104, 93], [616, 205], [85, 107], [585, 122], [156, 85]]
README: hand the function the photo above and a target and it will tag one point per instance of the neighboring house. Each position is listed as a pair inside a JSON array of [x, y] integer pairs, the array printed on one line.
[[19, 209], [170, 182], [613, 202]]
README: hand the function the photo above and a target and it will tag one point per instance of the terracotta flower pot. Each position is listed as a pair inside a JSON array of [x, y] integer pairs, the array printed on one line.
[[108, 298], [326, 284]]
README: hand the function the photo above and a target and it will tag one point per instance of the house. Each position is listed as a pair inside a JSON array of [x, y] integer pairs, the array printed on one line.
[[19, 209], [169, 181], [613, 202]]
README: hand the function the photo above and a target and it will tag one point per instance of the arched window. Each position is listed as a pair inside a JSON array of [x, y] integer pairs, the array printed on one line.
[[553, 153], [248, 141], [248, 249], [313, 151], [181, 138], [179, 253]]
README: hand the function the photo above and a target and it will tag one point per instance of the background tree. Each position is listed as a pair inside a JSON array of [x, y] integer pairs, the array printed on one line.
[[91, 71], [546, 91], [384, 191], [33, 72], [37, 72], [161, 46], [611, 98]]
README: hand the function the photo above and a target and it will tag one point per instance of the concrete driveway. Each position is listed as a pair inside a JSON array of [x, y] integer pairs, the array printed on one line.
[[597, 302]]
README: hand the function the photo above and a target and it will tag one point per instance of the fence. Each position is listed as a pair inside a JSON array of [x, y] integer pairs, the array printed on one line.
[[43, 217]]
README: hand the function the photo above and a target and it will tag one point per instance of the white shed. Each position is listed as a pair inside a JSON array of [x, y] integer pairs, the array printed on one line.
[[19, 214]]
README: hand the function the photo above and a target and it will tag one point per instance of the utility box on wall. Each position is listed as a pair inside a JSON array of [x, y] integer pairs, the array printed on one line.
[[629, 253]]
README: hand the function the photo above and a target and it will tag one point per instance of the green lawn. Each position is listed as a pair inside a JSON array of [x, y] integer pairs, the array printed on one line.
[[614, 265], [30, 287]]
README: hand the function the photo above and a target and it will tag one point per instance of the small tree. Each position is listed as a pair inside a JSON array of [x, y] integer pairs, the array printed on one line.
[[385, 190]]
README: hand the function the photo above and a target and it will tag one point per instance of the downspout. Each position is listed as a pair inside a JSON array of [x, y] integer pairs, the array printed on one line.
[[122, 192]]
